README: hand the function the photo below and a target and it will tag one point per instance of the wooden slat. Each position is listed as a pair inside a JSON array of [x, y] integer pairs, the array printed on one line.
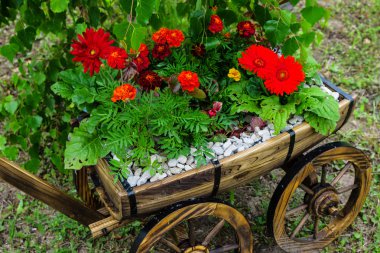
[[50, 195], [236, 170]]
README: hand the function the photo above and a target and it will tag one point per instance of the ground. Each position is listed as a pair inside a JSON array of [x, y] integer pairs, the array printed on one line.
[[350, 57]]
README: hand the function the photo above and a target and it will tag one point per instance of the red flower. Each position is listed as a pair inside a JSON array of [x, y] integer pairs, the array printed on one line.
[[117, 58], [216, 24], [198, 50], [160, 37], [284, 76], [246, 29], [174, 38], [90, 47], [188, 80], [216, 107], [142, 62], [124, 93], [161, 51], [149, 80], [143, 50], [257, 59]]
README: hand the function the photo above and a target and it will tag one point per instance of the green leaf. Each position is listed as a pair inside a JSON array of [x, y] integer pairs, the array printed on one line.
[[120, 29], [83, 149], [144, 10], [290, 46], [9, 51], [26, 37], [138, 36], [38, 77], [34, 122], [313, 14], [3, 141], [198, 93], [321, 125], [276, 31], [229, 17], [58, 6], [80, 28], [32, 165], [11, 106], [94, 15], [294, 2], [307, 38], [62, 89], [276, 113], [11, 153]]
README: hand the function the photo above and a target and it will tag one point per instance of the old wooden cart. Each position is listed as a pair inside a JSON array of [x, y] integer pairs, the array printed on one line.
[[314, 202]]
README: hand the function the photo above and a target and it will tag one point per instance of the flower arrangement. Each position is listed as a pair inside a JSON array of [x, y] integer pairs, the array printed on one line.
[[180, 90]]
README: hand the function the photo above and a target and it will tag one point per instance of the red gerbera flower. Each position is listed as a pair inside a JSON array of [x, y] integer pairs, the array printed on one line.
[[284, 76], [174, 38], [160, 37], [143, 50], [117, 58], [257, 59], [90, 47], [161, 51], [246, 29], [188, 80], [216, 24], [124, 93], [149, 80]]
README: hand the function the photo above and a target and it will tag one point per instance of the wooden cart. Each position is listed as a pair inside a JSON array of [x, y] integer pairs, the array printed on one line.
[[320, 195]]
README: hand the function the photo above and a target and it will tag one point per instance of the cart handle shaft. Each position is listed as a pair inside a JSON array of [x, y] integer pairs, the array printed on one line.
[[50, 195]]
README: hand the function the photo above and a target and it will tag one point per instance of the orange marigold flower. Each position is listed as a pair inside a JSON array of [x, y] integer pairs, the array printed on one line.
[[227, 35], [143, 50], [246, 29], [90, 47], [160, 36], [284, 76], [117, 58], [216, 24], [188, 80], [257, 59], [124, 93], [174, 38]]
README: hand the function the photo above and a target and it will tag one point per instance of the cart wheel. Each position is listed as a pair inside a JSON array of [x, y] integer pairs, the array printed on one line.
[[184, 230], [319, 197], [84, 191]]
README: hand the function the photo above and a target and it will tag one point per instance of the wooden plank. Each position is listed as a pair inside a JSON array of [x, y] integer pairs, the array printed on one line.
[[236, 170], [50, 195]]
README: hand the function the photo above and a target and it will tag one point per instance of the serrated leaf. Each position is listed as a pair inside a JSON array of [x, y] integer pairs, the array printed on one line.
[[321, 125], [58, 6], [276, 113], [83, 149], [32, 165], [34, 122], [276, 31], [11, 153], [62, 89], [138, 36], [313, 14], [11, 106], [9, 51], [144, 10]]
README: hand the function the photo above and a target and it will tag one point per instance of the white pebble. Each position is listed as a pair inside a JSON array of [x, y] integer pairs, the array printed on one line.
[[227, 144], [142, 181], [190, 160], [179, 165], [248, 141], [241, 148], [175, 170], [210, 144], [138, 172], [132, 180], [299, 118], [218, 144], [182, 159], [220, 157], [257, 129], [218, 150], [293, 121], [229, 151], [335, 95], [287, 128], [188, 167], [146, 175], [115, 157], [172, 163], [193, 150], [271, 126]]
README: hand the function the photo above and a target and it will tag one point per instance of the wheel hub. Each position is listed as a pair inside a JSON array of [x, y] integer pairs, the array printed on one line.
[[324, 201], [197, 249]]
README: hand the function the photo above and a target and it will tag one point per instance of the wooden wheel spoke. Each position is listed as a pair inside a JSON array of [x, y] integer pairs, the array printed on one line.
[[226, 248], [171, 245], [307, 189], [295, 210], [300, 225], [316, 228], [324, 173], [213, 233], [341, 174], [191, 232], [347, 188]]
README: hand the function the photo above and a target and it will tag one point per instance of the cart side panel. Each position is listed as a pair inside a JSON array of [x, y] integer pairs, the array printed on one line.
[[236, 170]]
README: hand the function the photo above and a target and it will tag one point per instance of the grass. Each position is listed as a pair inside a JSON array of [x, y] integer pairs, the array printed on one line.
[[350, 57]]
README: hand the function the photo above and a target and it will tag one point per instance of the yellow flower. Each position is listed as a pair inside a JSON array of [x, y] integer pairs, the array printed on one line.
[[234, 74]]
